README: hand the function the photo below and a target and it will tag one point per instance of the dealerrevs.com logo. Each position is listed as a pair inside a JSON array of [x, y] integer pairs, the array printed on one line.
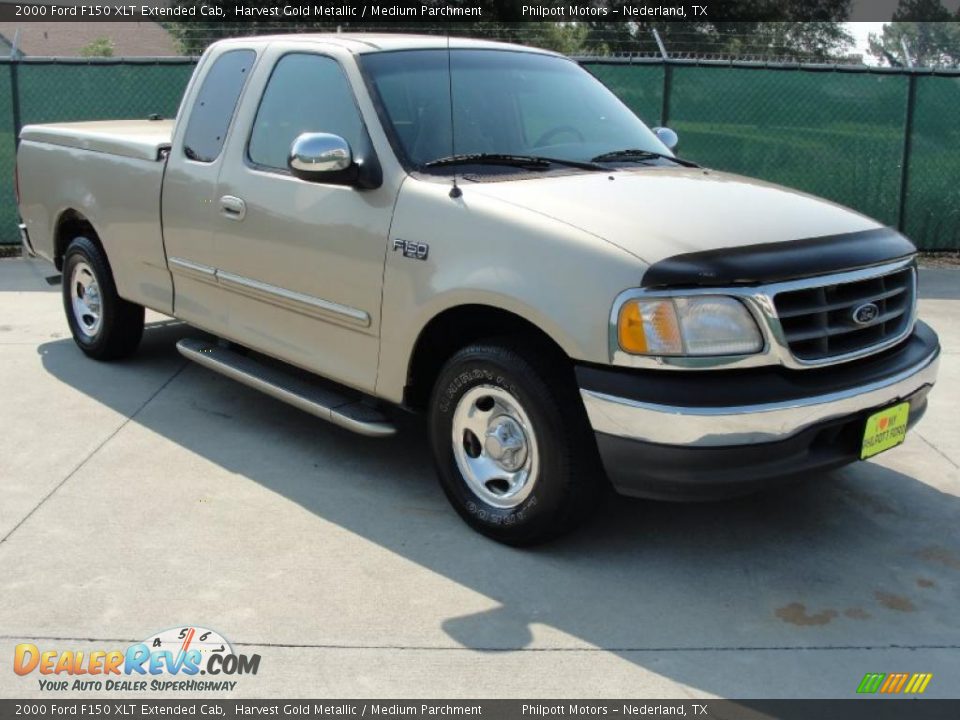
[[169, 661]]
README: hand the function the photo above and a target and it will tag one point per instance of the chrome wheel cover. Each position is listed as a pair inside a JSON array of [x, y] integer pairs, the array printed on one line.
[[495, 446], [85, 299]]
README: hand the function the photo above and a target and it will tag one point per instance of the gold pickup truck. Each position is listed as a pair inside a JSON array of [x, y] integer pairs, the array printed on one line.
[[484, 233]]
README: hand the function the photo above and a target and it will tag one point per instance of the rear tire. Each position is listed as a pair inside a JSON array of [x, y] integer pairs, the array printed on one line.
[[511, 442], [103, 324]]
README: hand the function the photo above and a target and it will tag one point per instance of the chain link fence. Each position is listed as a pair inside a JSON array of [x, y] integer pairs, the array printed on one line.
[[885, 142], [69, 90], [881, 141]]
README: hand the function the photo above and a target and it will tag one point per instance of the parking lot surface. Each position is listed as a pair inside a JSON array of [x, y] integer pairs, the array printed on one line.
[[152, 493]]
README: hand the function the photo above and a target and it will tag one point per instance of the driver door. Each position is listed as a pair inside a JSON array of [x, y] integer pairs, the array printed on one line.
[[302, 261]]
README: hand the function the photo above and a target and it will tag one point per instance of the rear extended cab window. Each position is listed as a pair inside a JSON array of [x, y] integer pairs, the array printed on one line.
[[215, 104]]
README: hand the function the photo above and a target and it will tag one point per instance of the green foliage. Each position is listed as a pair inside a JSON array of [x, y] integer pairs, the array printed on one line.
[[101, 47], [566, 38], [815, 41], [776, 34], [933, 41]]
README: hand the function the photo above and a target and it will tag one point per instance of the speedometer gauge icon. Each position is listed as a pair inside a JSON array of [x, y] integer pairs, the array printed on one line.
[[180, 640]]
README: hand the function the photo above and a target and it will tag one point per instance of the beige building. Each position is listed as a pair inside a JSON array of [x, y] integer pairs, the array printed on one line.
[[67, 39]]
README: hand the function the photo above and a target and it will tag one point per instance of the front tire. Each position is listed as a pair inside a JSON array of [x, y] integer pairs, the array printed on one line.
[[103, 324], [511, 441]]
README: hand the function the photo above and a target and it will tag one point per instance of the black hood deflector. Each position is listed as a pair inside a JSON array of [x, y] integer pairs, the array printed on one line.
[[779, 261]]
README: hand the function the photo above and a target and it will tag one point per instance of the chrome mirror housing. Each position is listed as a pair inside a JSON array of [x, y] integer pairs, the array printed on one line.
[[667, 136], [320, 157]]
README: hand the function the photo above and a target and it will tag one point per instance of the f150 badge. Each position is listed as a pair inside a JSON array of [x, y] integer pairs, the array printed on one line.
[[411, 249]]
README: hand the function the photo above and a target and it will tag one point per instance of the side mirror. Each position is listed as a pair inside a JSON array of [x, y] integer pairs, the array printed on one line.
[[321, 157], [667, 136], [327, 158]]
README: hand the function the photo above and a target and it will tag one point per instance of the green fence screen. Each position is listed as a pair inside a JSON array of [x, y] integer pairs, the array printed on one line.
[[74, 91], [839, 136], [838, 133], [8, 207], [932, 200]]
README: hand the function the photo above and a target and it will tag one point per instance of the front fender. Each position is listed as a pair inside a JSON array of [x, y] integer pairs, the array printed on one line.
[[483, 251]]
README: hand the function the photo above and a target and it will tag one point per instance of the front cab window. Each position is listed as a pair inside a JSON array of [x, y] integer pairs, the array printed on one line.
[[306, 93]]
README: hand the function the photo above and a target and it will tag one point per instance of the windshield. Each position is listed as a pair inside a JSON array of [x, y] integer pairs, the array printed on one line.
[[504, 102]]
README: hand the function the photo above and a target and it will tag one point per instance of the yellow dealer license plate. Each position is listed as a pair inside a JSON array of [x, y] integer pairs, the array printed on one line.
[[885, 429]]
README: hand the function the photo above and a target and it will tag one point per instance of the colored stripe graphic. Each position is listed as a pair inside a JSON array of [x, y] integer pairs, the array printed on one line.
[[922, 682], [895, 683], [890, 683], [871, 682]]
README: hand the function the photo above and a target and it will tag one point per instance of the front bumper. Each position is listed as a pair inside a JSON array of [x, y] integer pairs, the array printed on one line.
[[675, 434]]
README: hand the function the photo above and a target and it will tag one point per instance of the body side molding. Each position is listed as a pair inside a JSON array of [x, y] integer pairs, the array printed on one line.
[[289, 299]]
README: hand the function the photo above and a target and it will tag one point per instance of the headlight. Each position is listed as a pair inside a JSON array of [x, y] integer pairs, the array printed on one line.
[[696, 325]]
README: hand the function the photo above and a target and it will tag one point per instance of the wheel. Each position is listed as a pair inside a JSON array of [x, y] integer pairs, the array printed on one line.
[[512, 444], [104, 325]]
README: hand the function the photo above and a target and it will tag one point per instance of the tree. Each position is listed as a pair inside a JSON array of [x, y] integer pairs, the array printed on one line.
[[926, 27], [193, 36], [101, 47], [776, 32], [815, 41]]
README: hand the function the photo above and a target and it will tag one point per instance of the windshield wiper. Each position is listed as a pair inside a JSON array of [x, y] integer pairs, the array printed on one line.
[[537, 162], [636, 155]]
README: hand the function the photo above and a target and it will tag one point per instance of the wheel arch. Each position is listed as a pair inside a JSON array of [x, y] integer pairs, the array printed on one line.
[[72, 223], [456, 327]]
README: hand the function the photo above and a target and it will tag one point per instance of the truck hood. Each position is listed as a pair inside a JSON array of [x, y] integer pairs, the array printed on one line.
[[658, 212]]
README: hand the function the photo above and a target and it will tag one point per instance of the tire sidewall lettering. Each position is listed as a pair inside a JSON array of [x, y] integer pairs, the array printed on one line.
[[451, 394]]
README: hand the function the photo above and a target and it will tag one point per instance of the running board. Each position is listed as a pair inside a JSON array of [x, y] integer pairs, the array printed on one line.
[[325, 404]]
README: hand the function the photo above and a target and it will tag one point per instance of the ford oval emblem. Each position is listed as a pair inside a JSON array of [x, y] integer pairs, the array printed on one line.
[[865, 314]]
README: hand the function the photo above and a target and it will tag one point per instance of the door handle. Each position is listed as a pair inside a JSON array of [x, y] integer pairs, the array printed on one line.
[[232, 207]]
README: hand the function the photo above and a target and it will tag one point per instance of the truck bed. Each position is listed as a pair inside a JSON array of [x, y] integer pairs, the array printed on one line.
[[140, 139], [109, 174]]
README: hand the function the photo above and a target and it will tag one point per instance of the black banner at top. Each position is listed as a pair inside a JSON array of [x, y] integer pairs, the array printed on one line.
[[460, 11]]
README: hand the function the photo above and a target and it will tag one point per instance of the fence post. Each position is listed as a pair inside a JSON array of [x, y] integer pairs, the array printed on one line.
[[907, 149], [667, 91], [15, 97], [667, 79]]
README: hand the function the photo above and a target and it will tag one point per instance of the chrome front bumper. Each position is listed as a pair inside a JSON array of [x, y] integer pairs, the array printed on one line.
[[748, 424]]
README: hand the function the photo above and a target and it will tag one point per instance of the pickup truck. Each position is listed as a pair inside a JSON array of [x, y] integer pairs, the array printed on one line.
[[483, 233]]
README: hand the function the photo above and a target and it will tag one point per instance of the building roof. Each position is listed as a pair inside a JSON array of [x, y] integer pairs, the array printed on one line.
[[66, 39]]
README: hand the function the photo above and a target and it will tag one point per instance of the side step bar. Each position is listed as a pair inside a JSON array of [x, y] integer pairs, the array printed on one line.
[[325, 404]]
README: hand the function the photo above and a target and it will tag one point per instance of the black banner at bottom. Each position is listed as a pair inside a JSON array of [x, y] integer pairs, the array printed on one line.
[[854, 709]]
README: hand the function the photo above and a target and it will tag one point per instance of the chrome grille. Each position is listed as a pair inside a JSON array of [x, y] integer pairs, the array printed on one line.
[[818, 323]]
